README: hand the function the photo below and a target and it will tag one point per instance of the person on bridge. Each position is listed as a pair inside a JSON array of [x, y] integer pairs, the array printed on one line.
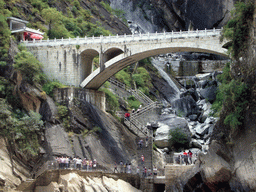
[[155, 171], [79, 163], [121, 166], [185, 157], [190, 156], [115, 168], [94, 164]]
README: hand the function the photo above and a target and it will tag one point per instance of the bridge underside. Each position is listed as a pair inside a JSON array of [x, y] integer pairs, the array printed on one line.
[[97, 78]]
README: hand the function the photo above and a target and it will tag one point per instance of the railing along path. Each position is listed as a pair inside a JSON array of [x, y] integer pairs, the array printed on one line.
[[126, 38]]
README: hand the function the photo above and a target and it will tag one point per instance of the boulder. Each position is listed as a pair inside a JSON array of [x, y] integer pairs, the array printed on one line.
[[202, 83], [215, 166], [191, 92], [209, 93], [192, 117], [185, 106], [195, 143], [167, 123], [162, 136], [48, 110], [202, 129]]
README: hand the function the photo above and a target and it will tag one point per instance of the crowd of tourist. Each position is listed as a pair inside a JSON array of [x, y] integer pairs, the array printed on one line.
[[76, 163], [185, 158]]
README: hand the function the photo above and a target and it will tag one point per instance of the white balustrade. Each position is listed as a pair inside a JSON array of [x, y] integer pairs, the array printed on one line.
[[127, 38]]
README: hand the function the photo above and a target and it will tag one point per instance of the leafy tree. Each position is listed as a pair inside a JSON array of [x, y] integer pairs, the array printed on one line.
[[29, 66]]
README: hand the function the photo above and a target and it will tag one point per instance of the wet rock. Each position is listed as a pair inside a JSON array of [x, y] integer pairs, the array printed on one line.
[[202, 129], [185, 106], [195, 143], [209, 93], [192, 117], [191, 92]]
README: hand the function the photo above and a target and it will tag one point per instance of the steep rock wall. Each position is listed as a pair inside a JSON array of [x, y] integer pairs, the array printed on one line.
[[159, 15]]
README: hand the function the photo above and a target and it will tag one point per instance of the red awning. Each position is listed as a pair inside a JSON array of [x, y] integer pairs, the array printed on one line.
[[36, 36]]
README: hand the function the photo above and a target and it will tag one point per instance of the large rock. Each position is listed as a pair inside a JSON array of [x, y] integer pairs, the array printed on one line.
[[48, 110], [72, 182], [57, 140], [215, 166], [202, 129], [167, 123], [209, 93], [191, 92], [185, 106]]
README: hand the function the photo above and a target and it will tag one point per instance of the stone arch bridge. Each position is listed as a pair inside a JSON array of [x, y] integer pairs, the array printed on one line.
[[71, 60]]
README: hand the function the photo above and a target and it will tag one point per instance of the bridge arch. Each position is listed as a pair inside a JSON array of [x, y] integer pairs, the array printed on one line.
[[86, 62], [97, 78], [111, 53]]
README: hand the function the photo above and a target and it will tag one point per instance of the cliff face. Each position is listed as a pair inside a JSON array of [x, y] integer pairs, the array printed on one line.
[[176, 14]]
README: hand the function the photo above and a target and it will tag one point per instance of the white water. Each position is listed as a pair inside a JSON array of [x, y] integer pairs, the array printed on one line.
[[159, 66]]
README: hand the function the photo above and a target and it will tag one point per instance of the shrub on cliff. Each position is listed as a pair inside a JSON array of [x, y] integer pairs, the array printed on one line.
[[29, 66], [20, 129], [238, 28], [178, 139], [231, 99]]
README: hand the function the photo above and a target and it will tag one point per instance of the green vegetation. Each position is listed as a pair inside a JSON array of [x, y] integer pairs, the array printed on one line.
[[133, 102], [49, 86], [178, 139], [232, 96], [29, 66], [22, 130], [4, 34], [238, 28], [112, 101], [64, 116]]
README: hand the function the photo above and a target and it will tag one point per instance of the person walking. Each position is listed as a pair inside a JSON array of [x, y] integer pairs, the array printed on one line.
[[146, 141], [121, 166], [190, 156], [142, 159], [115, 168]]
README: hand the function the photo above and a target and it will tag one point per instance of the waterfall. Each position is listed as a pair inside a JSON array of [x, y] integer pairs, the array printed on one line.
[[159, 66]]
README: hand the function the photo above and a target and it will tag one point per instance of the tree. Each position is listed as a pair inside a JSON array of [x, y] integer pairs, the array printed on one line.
[[29, 66]]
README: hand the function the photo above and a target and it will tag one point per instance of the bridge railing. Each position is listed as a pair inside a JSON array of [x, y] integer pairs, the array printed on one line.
[[126, 38], [54, 165]]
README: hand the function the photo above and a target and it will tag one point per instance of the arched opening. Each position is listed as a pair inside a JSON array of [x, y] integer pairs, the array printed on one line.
[[111, 53], [86, 62], [97, 78]]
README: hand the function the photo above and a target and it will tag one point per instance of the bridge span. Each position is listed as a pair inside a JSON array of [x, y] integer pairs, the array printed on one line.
[[71, 60]]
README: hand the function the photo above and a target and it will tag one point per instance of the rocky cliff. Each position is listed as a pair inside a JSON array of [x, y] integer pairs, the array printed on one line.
[[160, 15]]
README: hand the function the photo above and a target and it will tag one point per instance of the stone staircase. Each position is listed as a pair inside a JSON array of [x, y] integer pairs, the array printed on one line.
[[134, 124], [144, 99], [146, 152]]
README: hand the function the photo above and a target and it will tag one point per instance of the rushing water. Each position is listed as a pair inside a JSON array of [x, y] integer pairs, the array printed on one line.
[[159, 66]]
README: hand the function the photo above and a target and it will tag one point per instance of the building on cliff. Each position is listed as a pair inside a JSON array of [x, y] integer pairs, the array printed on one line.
[[21, 31]]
